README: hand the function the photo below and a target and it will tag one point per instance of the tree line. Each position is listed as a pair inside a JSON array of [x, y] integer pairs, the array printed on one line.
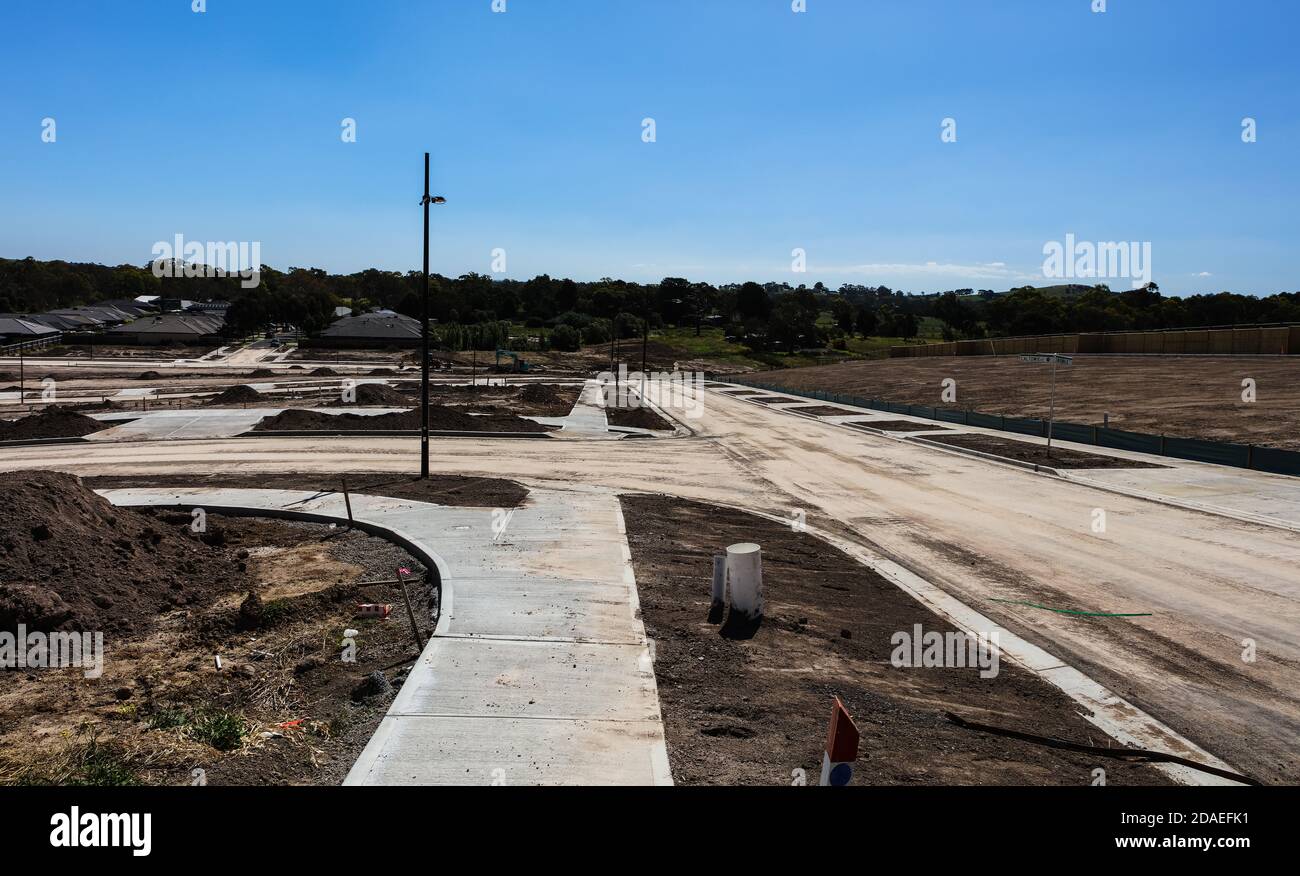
[[764, 316]]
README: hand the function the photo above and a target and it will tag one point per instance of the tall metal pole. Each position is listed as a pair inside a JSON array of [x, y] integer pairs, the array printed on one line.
[[424, 358]]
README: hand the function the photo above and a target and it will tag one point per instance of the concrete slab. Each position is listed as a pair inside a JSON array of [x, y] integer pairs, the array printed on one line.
[[490, 751], [530, 679], [1252, 494], [560, 609], [587, 419]]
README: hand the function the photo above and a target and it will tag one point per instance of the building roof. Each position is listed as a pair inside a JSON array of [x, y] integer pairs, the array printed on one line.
[[371, 326], [21, 326], [197, 324], [57, 321], [77, 317], [128, 306], [101, 313]]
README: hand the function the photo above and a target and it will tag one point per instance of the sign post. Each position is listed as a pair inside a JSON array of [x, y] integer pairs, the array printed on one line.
[[1055, 359]]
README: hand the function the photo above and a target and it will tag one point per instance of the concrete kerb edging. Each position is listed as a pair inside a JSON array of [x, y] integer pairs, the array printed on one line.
[[1115, 716], [42, 442], [1213, 510], [431, 561]]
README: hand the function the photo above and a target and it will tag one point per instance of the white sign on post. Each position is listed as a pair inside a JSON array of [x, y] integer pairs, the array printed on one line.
[[1052, 359]]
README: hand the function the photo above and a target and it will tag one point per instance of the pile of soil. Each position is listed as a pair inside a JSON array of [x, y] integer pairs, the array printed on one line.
[[70, 560], [262, 372], [324, 372], [1024, 451], [8, 375], [148, 375], [540, 393], [637, 418], [53, 422], [747, 706], [377, 395], [236, 395], [441, 419], [549, 401]]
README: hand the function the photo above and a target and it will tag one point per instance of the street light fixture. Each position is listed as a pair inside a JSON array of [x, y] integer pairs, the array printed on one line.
[[425, 202]]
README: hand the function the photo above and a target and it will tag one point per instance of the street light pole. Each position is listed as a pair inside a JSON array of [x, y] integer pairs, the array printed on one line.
[[424, 327], [425, 202]]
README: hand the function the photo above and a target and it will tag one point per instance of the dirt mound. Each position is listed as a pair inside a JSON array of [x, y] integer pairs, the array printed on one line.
[[380, 372], [324, 372], [69, 560], [377, 395], [441, 419], [236, 395], [53, 422], [262, 372], [637, 418], [540, 393], [148, 375], [8, 375]]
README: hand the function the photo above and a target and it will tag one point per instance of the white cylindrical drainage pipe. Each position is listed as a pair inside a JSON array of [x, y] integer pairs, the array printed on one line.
[[745, 579], [719, 580]]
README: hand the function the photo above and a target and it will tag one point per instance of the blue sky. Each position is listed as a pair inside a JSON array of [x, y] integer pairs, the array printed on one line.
[[775, 131]]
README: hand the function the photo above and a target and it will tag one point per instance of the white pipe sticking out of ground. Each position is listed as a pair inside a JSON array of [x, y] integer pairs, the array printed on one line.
[[745, 579]]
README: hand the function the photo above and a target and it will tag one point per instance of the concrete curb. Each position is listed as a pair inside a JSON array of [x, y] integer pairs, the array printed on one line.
[[42, 442]]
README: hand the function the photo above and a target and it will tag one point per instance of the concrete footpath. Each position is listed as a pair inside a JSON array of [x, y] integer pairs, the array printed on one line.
[[539, 672]]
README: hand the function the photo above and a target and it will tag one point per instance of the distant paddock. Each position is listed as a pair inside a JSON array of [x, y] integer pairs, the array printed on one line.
[[1189, 397]]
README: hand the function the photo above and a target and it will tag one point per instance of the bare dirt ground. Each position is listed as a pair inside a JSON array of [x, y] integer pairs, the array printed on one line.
[[1025, 451], [744, 709], [271, 598], [637, 418], [1189, 397], [899, 426]]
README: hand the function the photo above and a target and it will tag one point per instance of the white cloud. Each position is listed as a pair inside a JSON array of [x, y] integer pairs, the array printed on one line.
[[978, 271]]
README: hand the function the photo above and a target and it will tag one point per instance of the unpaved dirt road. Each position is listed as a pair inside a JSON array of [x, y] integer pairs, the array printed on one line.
[[1210, 586]]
